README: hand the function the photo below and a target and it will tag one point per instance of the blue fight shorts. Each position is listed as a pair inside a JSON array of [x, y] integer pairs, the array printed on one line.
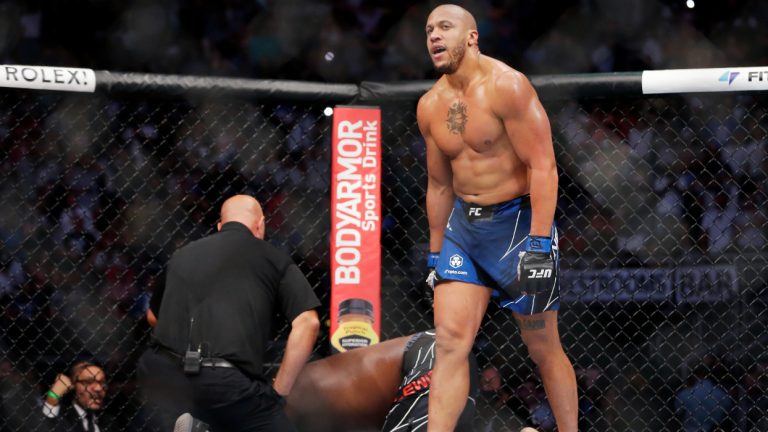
[[482, 245]]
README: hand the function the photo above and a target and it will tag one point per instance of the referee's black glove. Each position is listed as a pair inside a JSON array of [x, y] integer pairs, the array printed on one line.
[[536, 268]]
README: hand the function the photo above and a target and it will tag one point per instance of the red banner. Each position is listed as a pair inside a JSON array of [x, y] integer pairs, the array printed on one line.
[[355, 228]]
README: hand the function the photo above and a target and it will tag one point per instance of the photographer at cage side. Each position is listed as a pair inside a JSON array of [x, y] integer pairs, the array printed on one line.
[[221, 295]]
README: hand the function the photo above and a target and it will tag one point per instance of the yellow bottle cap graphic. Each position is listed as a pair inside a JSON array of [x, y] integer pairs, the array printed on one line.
[[355, 327]]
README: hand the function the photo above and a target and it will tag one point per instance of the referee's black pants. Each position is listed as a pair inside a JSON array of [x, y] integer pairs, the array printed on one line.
[[225, 398]]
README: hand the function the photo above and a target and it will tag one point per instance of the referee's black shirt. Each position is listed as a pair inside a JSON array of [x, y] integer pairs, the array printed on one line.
[[232, 284]]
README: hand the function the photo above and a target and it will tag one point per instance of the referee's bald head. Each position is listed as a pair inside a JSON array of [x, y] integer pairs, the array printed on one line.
[[246, 210]]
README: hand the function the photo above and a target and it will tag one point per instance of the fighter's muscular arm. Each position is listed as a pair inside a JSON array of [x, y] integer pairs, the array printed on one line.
[[349, 391], [440, 194], [527, 125]]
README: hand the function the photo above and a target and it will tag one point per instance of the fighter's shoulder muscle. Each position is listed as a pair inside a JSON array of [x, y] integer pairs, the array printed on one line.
[[426, 106], [511, 90]]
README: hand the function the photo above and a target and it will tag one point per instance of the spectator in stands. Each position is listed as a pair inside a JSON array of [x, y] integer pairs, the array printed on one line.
[[702, 404], [11, 273], [18, 395], [718, 221], [88, 383], [751, 222], [493, 402], [30, 325], [493, 387], [753, 404], [594, 390], [540, 415]]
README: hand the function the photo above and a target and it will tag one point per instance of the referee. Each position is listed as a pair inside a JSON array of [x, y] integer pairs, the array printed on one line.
[[221, 295]]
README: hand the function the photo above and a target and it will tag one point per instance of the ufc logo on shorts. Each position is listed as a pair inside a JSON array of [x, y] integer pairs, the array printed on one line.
[[475, 211], [540, 274]]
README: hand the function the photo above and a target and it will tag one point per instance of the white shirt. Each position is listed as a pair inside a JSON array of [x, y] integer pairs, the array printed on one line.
[[53, 411]]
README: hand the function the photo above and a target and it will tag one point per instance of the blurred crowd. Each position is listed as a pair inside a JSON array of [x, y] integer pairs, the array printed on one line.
[[355, 40], [678, 182], [711, 398]]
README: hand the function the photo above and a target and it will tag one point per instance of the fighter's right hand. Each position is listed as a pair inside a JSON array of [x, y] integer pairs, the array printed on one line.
[[536, 268], [431, 275]]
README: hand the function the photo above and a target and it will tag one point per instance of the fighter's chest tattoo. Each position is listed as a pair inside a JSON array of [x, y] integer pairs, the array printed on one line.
[[457, 118]]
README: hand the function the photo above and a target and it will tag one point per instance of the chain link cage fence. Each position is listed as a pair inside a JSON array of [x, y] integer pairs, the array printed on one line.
[[661, 213]]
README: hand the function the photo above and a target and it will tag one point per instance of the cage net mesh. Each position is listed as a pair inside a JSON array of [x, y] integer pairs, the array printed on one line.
[[661, 214]]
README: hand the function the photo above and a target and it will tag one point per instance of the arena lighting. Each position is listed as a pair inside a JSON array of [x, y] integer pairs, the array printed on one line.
[[328, 111], [690, 4]]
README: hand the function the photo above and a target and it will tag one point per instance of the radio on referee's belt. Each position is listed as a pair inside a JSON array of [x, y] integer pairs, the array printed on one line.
[[193, 361]]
